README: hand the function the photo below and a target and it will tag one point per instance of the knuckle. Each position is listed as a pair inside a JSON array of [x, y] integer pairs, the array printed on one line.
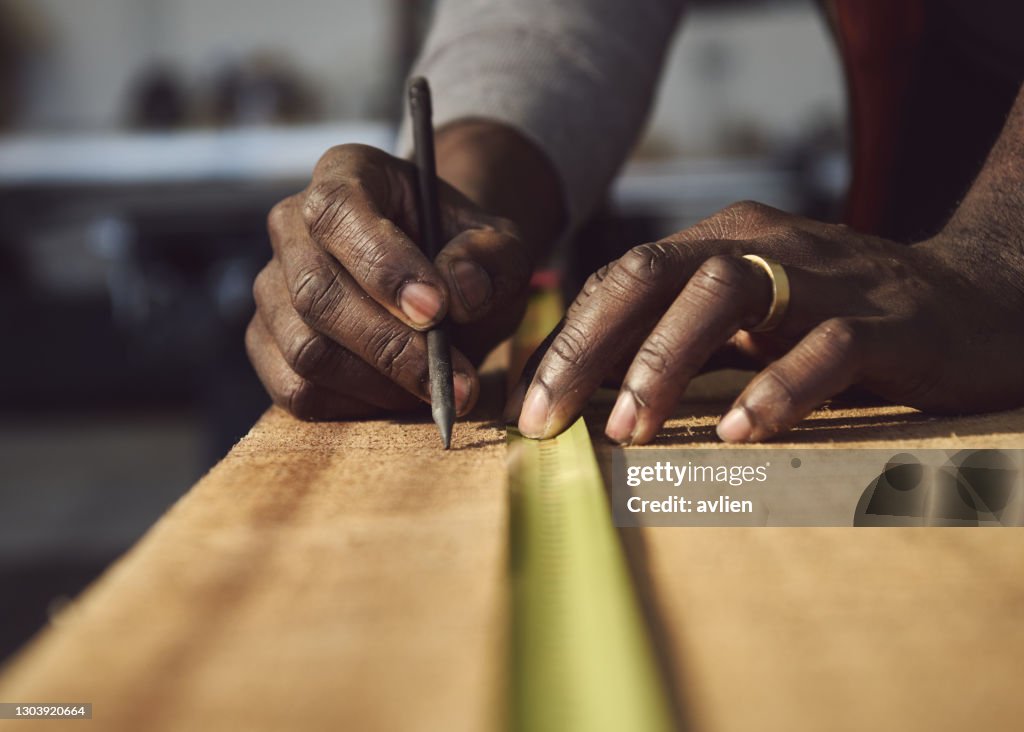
[[331, 157], [251, 339], [720, 277], [315, 293], [592, 285], [352, 162], [724, 270], [340, 156], [738, 220], [392, 353], [746, 207], [372, 263], [300, 397], [261, 287], [647, 261], [599, 276], [595, 280], [326, 208], [656, 354], [277, 219], [570, 344], [306, 354], [749, 213]]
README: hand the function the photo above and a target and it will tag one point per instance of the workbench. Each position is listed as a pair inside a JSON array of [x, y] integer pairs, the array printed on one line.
[[354, 576]]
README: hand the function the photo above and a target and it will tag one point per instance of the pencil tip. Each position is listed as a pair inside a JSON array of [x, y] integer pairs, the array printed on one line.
[[444, 426]]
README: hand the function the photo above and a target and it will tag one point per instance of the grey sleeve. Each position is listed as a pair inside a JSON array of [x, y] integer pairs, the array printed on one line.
[[576, 77]]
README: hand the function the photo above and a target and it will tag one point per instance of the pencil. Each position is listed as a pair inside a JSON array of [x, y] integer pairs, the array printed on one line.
[[439, 352]]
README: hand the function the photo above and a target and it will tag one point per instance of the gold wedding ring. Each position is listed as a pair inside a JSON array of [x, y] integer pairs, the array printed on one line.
[[780, 293]]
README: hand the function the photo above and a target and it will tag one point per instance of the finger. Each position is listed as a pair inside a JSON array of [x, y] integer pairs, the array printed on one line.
[[825, 362], [345, 219], [288, 390], [485, 270], [729, 357], [330, 302], [315, 357], [615, 310], [516, 396], [724, 294]]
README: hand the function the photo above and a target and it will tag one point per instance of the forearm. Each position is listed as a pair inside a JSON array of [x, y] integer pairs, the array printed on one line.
[[575, 78], [988, 226], [505, 174]]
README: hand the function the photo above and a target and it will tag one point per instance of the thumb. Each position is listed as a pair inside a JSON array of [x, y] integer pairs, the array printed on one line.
[[485, 270]]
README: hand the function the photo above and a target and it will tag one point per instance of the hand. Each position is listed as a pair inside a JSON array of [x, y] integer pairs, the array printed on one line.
[[342, 306], [935, 325]]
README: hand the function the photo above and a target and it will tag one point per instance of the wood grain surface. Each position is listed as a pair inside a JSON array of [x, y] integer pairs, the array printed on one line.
[[838, 628], [841, 629], [352, 576], [321, 577]]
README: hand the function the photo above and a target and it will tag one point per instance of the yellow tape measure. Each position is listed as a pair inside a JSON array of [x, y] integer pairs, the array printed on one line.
[[581, 654]]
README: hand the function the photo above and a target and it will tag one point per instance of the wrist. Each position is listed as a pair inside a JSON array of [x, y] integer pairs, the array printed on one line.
[[983, 256], [504, 174], [987, 228]]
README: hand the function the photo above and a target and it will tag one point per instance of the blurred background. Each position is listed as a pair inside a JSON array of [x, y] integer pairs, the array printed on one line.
[[142, 143]]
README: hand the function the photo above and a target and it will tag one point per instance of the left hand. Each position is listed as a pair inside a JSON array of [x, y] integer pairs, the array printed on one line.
[[935, 325]]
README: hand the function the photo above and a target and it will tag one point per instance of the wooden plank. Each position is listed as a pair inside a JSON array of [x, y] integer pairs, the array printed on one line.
[[352, 576], [322, 576], [839, 629]]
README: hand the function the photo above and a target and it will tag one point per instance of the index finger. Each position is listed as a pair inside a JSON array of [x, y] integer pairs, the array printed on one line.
[[346, 213]]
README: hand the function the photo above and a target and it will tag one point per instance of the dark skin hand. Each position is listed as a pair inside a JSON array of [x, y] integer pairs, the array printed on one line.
[[342, 307], [938, 325]]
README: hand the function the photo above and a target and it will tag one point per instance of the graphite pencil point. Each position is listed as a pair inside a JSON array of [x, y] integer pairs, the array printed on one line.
[[442, 387], [443, 419]]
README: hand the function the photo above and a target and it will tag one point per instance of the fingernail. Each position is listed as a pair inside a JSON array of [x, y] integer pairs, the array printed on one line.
[[471, 282], [735, 426], [421, 303], [534, 418], [622, 420], [514, 404], [463, 389]]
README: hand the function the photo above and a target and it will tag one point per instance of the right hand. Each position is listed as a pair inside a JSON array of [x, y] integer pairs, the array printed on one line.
[[342, 305]]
